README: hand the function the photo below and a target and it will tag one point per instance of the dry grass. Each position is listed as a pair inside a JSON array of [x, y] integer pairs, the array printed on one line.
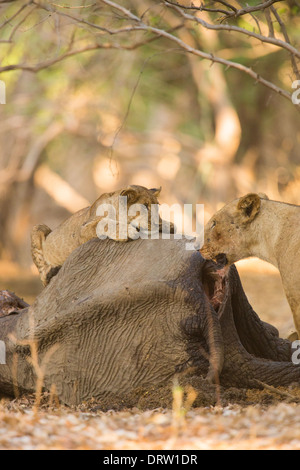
[[232, 427]]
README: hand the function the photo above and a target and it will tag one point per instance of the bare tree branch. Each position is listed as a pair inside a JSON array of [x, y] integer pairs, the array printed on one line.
[[56, 60], [234, 11], [16, 27], [109, 31], [69, 7], [133, 23], [270, 23], [16, 14], [286, 36], [204, 55], [223, 27]]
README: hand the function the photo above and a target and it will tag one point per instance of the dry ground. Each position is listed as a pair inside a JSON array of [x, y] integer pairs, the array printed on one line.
[[233, 427], [267, 419]]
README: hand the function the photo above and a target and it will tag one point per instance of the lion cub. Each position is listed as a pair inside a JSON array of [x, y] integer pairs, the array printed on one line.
[[50, 248], [269, 230]]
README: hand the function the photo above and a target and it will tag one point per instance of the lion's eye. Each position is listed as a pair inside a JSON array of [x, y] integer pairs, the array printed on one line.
[[213, 224]]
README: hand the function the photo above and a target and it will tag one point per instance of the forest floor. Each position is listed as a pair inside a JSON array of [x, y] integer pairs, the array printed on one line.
[[240, 419]]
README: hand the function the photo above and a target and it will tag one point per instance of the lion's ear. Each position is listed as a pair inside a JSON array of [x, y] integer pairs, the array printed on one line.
[[130, 193], [156, 191], [263, 196], [248, 207]]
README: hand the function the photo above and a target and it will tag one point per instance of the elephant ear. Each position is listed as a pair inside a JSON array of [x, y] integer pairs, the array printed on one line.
[[130, 193], [156, 191], [248, 207]]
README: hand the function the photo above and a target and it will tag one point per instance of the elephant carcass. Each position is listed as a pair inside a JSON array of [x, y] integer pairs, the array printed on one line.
[[121, 316]]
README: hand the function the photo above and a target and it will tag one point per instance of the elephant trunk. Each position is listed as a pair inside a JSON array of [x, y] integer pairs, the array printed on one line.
[[216, 286]]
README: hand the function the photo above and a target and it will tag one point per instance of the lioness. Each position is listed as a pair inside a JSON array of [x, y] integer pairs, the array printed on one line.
[[50, 248], [256, 226]]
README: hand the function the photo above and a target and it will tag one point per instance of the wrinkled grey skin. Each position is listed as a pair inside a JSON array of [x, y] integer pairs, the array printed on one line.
[[132, 315]]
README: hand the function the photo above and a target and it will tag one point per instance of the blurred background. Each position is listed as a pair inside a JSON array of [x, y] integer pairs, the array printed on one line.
[[150, 115]]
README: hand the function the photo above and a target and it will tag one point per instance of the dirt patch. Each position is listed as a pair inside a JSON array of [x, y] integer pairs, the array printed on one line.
[[195, 392], [247, 419], [204, 395]]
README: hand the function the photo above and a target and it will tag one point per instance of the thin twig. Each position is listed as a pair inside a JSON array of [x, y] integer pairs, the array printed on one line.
[[69, 7], [16, 14], [230, 28], [229, 14], [286, 37], [15, 28], [277, 391], [136, 24]]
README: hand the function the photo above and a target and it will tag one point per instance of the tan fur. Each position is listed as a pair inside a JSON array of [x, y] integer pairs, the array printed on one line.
[[50, 248], [269, 230]]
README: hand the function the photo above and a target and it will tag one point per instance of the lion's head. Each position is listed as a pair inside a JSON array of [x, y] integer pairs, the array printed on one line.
[[128, 213]]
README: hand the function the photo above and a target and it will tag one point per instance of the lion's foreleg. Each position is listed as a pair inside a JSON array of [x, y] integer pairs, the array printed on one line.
[[38, 237]]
